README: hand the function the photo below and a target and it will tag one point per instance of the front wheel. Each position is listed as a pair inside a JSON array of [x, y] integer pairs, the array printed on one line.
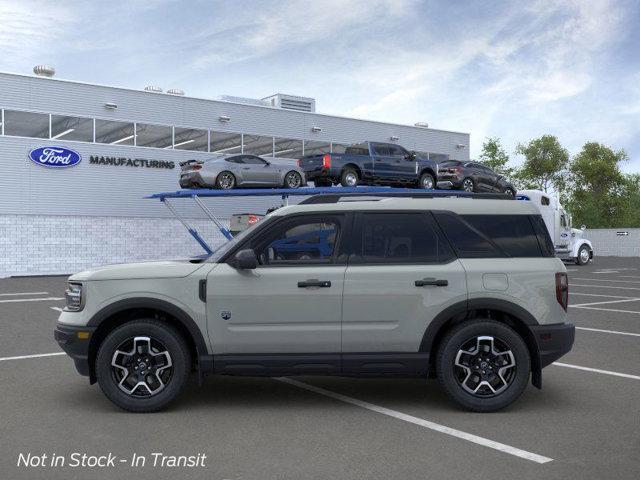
[[143, 365], [427, 182], [468, 185], [292, 180], [583, 255], [483, 365]]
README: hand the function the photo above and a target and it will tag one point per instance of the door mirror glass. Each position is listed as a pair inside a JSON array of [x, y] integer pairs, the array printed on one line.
[[245, 260]]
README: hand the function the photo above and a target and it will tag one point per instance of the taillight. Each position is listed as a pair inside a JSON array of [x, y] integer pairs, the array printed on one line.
[[326, 161], [196, 167], [299, 162], [252, 219], [562, 289]]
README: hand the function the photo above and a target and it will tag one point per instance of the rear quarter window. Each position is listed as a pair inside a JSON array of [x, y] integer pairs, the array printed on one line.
[[513, 234]]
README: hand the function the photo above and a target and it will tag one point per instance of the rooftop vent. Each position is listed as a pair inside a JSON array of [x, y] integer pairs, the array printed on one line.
[[44, 71], [422, 124], [153, 88], [292, 102], [244, 100], [175, 91]]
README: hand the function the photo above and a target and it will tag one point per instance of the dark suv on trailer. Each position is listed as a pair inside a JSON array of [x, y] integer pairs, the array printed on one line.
[[472, 177]]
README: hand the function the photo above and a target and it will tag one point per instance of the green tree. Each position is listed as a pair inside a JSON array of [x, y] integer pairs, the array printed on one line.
[[631, 196], [599, 191], [495, 157], [545, 164]]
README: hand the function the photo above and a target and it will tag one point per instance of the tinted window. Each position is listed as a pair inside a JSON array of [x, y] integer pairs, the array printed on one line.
[[397, 151], [544, 239], [466, 240], [544, 200], [381, 149], [513, 234], [235, 159], [253, 160], [399, 238], [301, 241], [450, 163], [357, 151]]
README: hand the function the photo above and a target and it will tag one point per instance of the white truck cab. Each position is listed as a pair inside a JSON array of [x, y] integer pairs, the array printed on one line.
[[568, 242]]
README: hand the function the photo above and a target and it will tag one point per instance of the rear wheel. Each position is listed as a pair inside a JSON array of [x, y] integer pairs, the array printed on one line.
[[483, 365], [225, 181], [349, 178], [468, 185], [143, 365], [427, 182], [292, 180], [583, 255], [510, 192]]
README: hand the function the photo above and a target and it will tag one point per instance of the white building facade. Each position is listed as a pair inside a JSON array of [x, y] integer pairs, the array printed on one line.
[[129, 144]]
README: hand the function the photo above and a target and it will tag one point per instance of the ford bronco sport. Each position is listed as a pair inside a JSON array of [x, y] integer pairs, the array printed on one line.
[[464, 289]]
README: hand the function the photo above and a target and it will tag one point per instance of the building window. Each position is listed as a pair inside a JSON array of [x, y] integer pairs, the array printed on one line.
[[157, 136], [312, 147], [26, 124], [338, 147], [72, 128], [258, 145], [115, 133], [287, 148], [224, 142], [190, 139]]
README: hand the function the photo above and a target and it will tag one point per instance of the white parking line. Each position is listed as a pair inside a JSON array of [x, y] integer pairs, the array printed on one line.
[[597, 295], [632, 299], [628, 276], [605, 286], [606, 309], [22, 293], [606, 280], [597, 370], [38, 355], [608, 331], [57, 309], [14, 300], [485, 442]]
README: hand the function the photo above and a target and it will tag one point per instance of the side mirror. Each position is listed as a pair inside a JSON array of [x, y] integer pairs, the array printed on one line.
[[245, 260], [583, 227]]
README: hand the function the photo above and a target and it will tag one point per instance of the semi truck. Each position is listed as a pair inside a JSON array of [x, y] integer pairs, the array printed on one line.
[[569, 242]]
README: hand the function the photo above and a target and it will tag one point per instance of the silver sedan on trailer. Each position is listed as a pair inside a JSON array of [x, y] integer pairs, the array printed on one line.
[[240, 170]]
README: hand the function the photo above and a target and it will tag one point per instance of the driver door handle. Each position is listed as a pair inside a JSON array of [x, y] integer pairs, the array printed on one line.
[[431, 281], [314, 283]]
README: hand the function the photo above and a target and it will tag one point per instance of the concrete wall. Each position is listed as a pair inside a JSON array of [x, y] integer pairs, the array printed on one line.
[[609, 242]]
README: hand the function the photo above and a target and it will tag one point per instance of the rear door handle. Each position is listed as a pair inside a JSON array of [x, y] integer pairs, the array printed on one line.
[[314, 283], [431, 281]]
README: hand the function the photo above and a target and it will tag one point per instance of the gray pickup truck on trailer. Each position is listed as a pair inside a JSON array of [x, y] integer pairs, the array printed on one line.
[[371, 163]]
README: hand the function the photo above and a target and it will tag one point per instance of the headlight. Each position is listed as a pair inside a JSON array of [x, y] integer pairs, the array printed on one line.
[[73, 295]]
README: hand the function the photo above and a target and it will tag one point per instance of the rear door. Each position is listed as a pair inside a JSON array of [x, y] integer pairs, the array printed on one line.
[[401, 274]]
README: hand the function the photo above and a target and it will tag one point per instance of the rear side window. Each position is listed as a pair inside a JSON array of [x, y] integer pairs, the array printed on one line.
[[467, 241], [381, 149], [399, 238], [544, 239], [513, 234]]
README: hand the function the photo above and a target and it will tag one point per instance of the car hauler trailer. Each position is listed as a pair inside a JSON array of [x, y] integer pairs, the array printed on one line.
[[568, 242]]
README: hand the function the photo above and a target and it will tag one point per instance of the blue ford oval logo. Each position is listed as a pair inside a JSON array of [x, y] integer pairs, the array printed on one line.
[[56, 157]]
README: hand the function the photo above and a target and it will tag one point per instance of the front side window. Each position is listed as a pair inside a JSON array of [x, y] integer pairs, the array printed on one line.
[[399, 238], [310, 240], [381, 149], [253, 160]]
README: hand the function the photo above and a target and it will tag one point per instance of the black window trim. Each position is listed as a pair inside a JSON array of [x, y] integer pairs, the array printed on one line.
[[356, 230]]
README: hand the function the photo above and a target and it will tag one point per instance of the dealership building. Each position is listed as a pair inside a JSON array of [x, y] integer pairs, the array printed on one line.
[[128, 144]]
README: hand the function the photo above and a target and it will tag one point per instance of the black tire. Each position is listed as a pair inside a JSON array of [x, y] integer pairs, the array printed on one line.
[[583, 258], [178, 372], [452, 377], [347, 176], [510, 192], [322, 182], [289, 184], [468, 185], [221, 180], [427, 182]]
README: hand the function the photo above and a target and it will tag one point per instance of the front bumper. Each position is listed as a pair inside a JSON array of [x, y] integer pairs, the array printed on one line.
[[75, 340], [553, 341]]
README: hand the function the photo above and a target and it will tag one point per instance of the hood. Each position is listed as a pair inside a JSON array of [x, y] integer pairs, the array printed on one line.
[[130, 271], [577, 233]]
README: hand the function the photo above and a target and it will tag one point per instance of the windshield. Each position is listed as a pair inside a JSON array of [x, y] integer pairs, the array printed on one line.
[[223, 249]]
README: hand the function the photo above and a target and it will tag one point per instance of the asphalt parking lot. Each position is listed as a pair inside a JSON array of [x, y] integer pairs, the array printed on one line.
[[584, 423]]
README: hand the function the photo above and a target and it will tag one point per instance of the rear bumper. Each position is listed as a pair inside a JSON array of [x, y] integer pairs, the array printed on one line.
[[449, 182], [77, 347], [192, 180], [553, 341], [319, 172]]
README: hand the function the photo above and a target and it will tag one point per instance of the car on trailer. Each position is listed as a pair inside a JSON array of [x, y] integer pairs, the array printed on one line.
[[473, 177]]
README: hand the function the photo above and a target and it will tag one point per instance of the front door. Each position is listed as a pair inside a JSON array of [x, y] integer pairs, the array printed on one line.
[[401, 275], [257, 171], [291, 303]]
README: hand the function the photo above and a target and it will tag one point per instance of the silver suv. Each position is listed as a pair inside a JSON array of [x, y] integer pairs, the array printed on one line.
[[464, 289]]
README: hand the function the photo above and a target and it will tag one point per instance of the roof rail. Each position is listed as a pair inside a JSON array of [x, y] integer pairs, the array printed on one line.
[[375, 196]]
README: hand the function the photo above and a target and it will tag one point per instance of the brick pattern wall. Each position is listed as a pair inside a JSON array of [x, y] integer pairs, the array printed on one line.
[[608, 243], [50, 245]]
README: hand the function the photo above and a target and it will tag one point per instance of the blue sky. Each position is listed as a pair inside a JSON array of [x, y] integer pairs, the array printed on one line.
[[515, 70]]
